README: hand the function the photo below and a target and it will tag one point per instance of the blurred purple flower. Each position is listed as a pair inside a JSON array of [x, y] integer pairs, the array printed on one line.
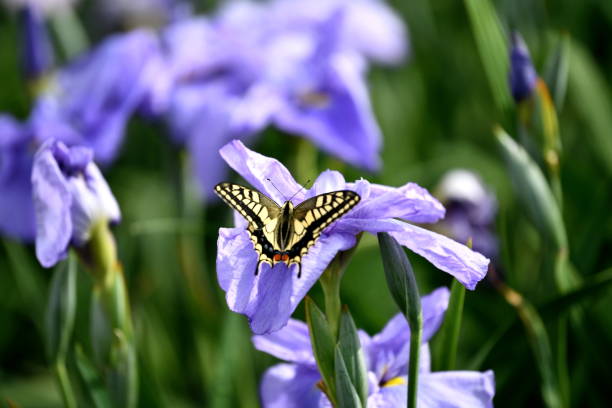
[[16, 155], [470, 210], [70, 196], [36, 49], [522, 75], [294, 385], [299, 66], [92, 99], [270, 298]]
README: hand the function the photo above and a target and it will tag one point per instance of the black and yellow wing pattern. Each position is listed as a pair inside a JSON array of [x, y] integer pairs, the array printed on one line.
[[285, 234]]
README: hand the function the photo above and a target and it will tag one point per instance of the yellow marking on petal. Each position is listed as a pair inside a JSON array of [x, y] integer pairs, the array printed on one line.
[[395, 381]]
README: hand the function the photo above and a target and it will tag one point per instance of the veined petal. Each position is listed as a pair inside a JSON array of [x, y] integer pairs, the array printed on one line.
[[456, 389], [410, 202], [290, 386], [291, 343], [259, 170], [449, 389], [52, 202]]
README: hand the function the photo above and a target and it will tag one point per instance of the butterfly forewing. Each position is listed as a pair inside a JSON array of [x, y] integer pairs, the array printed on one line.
[[261, 212], [252, 205]]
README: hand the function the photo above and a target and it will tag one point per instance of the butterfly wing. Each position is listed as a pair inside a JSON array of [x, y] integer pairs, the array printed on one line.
[[261, 212], [312, 216]]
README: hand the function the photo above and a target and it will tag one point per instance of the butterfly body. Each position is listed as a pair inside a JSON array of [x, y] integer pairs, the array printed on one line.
[[285, 234]]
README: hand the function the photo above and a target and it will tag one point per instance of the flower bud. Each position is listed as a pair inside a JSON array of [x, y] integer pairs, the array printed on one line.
[[70, 198], [522, 75]]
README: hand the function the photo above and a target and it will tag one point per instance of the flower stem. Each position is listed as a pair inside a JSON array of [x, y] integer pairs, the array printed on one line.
[[452, 327], [330, 281], [64, 382], [416, 333]]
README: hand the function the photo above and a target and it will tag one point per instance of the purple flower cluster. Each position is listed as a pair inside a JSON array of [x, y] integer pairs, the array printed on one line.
[[87, 103], [270, 298], [293, 384], [297, 65]]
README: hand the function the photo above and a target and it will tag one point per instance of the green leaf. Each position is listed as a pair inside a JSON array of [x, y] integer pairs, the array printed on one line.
[[590, 95], [322, 344], [449, 333], [540, 346], [346, 394], [122, 377], [556, 71], [92, 383], [493, 48], [533, 190], [352, 355], [61, 309], [28, 281]]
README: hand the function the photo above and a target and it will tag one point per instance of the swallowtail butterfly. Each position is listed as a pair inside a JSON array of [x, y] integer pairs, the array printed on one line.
[[285, 234]]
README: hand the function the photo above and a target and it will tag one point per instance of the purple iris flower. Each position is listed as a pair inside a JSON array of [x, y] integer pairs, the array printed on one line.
[[70, 196], [299, 66], [270, 298], [522, 76], [93, 97], [293, 384], [470, 210]]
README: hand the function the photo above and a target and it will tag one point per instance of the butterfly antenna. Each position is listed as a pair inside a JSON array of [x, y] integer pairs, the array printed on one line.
[[302, 188], [281, 193]]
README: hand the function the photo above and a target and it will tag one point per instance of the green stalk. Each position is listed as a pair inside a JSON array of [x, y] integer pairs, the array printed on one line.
[[330, 282], [64, 383], [452, 327], [416, 333]]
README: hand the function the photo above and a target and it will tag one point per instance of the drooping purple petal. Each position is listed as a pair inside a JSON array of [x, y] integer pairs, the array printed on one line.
[[269, 298], [291, 343], [290, 386], [52, 202], [467, 266]]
